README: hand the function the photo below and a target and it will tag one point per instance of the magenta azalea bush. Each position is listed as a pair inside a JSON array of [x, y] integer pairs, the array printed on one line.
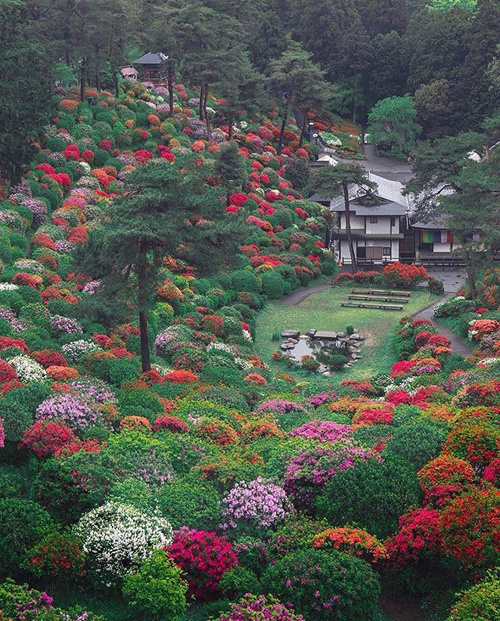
[[260, 608]]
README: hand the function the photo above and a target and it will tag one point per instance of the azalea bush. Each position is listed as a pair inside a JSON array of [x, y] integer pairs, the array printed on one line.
[[403, 275], [117, 537], [260, 608], [250, 508], [204, 557]]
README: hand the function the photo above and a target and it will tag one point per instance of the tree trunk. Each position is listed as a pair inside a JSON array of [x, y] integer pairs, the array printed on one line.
[[354, 262], [170, 84], [282, 129], [82, 79], [303, 131], [143, 317], [200, 106], [230, 124], [205, 113], [97, 70], [115, 82], [143, 325]]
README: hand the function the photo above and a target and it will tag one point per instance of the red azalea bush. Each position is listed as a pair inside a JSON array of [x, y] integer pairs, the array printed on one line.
[[404, 275], [181, 376], [7, 371], [204, 557], [50, 358], [170, 423], [62, 374], [365, 277], [374, 414], [31, 280], [215, 430], [418, 537], [470, 528], [353, 541], [57, 555], [445, 477], [480, 393], [474, 437], [45, 437]]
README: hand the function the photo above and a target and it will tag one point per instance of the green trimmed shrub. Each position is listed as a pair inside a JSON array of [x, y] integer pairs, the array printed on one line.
[[272, 285], [157, 590], [418, 441], [372, 494], [22, 524], [325, 585]]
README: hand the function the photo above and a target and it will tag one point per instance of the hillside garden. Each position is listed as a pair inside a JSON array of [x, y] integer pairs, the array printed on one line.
[[154, 463]]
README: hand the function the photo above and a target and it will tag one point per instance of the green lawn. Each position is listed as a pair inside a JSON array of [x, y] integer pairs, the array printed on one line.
[[323, 311]]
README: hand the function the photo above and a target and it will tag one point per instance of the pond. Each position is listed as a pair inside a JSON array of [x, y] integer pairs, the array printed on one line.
[[322, 346]]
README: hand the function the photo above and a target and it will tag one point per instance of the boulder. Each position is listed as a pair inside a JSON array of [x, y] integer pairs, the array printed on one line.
[[290, 334]]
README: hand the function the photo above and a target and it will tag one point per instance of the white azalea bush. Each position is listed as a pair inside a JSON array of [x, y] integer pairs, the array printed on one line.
[[75, 350], [117, 538], [27, 369]]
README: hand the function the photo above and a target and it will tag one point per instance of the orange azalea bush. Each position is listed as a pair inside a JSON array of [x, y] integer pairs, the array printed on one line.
[[135, 423], [353, 541]]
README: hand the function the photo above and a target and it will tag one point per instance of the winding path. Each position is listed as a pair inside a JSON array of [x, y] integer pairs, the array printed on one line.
[[458, 345], [296, 297]]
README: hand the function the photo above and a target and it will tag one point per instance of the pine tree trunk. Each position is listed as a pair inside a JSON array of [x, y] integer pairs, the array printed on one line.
[[354, 262], [205, 113], [200, 106], [282, 129], [303, 131], [170, 84], [230, 132], [143, 317], [143, 326], [82, 79]]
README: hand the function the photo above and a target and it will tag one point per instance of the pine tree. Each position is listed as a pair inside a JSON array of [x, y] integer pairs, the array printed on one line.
[[332, 181], [168, 211]]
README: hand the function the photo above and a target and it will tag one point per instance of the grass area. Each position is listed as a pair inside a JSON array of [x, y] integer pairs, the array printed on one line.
[[323, 311]]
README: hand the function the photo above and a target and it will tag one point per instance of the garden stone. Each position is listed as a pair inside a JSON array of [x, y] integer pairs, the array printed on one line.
[[287, 345], [355, 337], [311, 333], [341, 335], [286, 334]]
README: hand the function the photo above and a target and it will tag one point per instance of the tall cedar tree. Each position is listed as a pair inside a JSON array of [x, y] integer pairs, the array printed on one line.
[[168, 211], [332, 181], [25, 90]]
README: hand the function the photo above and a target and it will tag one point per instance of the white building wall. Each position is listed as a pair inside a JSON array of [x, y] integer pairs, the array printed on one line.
[[382, 226]]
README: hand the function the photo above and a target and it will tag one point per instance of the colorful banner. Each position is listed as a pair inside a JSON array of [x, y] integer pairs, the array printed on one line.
[[436, 237]]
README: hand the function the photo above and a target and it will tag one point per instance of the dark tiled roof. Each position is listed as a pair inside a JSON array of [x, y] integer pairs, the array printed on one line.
[[151, 58]]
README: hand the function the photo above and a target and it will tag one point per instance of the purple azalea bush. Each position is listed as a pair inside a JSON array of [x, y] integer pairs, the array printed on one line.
[[75, 411], [321, 399], [260, 504], [67, 325], [323, 430], [308, 472], [279, 406]]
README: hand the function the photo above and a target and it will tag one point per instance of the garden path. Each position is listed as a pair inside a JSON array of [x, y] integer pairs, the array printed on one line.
[[458, 345], [297, 296]]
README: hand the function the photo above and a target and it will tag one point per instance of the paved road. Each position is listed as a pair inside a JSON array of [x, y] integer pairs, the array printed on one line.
[[298, 295], [458, 345]]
